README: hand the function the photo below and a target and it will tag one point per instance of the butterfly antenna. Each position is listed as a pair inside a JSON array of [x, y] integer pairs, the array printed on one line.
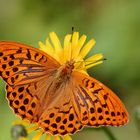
[[90, 62], [104, 59], [72, 29]]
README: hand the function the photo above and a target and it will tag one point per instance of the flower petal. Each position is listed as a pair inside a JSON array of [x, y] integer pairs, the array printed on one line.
[[46, 48], [21, 122], [75, 38], [57, 46], [48, 137], [32, 128], [83, 71], [93, 58], [42, 46], [38, 135], [87, 48], [93, 64], [67, 137], [56, 42], [82, 41], [23, 138], [49, 47], [73, 49], [67, 47], [79, 46], [57, 138]]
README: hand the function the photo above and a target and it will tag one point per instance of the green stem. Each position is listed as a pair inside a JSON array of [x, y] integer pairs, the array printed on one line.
[[109, 133]]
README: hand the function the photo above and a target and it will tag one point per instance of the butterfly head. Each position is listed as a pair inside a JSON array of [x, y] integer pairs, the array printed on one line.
[[68, 67]]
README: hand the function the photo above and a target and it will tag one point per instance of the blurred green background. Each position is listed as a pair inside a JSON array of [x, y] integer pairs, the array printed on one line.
[[115, 25]]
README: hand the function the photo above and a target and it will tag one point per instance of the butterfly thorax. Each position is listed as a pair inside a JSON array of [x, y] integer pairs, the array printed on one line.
[[57, 82], [65, 70]]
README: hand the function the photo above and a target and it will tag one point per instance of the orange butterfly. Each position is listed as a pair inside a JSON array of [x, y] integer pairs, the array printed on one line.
[[58, 98]]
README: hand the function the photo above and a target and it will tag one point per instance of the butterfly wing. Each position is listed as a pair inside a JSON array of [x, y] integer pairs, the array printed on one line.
[[95, 104], [82, 101], [25, 70], [21, 64], [59, 108], [58, 117]]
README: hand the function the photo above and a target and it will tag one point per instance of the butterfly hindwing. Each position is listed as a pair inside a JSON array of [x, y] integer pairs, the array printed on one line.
[[23, 102], [59, 117], [96, 104], [82, 101]]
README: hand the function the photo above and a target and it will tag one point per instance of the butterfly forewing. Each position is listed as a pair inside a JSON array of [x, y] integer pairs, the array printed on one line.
[[20, 64], [25, 70]]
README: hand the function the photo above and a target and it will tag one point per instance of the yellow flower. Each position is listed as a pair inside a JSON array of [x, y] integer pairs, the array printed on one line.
[[73, 49], [21, 130]]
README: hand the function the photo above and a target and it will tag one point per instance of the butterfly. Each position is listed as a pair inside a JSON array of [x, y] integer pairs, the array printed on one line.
[[53, 95]]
